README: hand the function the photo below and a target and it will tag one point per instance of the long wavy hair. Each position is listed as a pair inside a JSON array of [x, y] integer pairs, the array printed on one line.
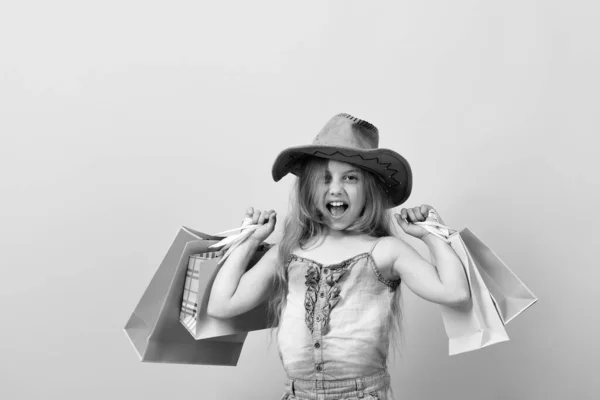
[[303, 225]]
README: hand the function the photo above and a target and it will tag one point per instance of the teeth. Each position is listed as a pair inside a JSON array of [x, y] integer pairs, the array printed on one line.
[[337, 203]]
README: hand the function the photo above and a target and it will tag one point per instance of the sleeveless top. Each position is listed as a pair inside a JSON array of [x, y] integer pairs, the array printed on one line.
[[336, 319]]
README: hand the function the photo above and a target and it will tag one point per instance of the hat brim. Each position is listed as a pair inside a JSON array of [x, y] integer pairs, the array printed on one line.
[[391, 167]]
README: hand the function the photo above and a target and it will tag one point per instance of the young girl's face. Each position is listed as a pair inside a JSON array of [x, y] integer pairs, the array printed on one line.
[[340, 194]]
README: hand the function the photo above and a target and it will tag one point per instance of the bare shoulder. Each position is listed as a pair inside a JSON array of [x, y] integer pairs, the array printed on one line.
[[385, 254], [391, 252], [393, 247]]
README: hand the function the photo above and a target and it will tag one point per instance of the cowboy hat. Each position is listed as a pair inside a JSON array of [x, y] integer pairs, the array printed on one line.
[[351, 140]]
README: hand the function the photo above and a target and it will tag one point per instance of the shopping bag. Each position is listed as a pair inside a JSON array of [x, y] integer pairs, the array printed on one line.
[[475, 324], [510, 295], [201, 273], [154, 328]]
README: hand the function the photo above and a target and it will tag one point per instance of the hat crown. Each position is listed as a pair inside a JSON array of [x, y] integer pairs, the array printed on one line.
[[344, 130]]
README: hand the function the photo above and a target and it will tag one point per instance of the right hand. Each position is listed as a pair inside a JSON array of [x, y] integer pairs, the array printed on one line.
[[266, 220]]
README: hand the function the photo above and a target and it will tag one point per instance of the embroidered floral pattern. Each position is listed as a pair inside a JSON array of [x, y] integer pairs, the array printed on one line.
[[333, 296], [331, 276], [310, 298]]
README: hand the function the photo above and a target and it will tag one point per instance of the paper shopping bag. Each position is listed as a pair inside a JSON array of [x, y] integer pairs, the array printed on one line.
[[201, 273], [154, 328], [510, 295], [476, 324]]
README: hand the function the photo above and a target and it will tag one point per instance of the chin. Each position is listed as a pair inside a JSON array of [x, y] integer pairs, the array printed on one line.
[[338, 225]]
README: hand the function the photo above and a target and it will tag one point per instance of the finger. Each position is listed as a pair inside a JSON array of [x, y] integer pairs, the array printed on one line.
[[418, 215], [403, 214], [425, 208], [248, 214], [255, 216], [272, 220], [268, 215], [398, 218], [402, 219], [263, 216], [411, 215]]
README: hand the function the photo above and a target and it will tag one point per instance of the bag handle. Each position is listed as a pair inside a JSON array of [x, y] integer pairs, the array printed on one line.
[[245, 225], [244, 232], [432, 225], [230, 243]]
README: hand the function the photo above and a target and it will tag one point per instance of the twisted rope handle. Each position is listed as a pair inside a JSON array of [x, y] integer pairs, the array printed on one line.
[[432, 225]]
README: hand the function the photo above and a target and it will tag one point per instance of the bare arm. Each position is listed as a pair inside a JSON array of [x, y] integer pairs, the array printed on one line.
[[449, 267], [236, 290], [445, 283]]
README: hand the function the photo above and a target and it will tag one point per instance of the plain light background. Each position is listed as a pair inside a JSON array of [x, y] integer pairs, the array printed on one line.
[[120, 121]]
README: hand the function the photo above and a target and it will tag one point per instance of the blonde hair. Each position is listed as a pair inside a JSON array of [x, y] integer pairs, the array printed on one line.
[[303, 224]]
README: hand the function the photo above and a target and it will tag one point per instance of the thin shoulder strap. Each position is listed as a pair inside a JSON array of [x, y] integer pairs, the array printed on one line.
[[374, 244]]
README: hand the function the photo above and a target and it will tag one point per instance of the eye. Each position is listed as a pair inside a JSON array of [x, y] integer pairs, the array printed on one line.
[[352, 177]]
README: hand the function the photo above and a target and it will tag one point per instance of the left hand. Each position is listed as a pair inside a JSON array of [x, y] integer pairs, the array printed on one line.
[[407, 218]]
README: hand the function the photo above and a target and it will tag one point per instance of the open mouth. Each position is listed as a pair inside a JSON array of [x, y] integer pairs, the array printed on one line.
[[337, 208]]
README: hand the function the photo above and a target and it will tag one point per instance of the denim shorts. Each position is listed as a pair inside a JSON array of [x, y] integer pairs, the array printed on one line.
[[373, 387]]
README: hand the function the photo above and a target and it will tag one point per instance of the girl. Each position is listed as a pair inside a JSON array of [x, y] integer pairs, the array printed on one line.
[[333, 281]]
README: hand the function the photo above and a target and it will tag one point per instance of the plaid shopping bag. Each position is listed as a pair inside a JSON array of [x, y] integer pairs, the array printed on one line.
[[201, 272], [191, 290]]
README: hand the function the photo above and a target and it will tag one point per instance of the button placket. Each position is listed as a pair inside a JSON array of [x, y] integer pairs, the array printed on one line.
[[318, 332]]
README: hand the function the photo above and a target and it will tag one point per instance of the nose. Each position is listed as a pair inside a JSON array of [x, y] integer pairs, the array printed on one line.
[[335, 188]]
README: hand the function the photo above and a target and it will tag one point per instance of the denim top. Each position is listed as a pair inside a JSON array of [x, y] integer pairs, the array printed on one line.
[[336, 320]]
